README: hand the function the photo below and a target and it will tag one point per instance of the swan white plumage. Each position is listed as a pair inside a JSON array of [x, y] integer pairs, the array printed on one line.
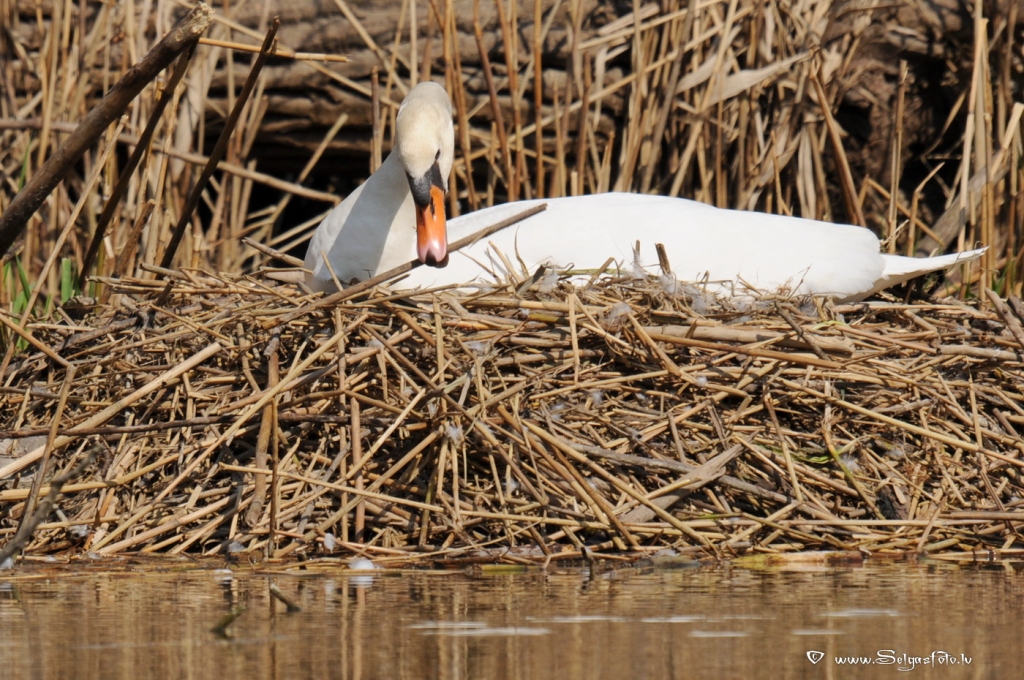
[[397, 215]]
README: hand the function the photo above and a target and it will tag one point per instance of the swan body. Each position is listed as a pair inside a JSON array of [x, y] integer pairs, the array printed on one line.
[[731, 251], [734, 251]]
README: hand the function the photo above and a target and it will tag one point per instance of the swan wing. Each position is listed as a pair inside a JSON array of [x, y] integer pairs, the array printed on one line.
[[734, 248]]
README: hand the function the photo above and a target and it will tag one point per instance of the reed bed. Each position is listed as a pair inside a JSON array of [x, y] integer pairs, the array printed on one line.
[[804, 109], [188, 402], [223, 414]]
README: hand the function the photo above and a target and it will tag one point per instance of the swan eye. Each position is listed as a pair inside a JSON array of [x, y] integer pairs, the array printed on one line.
[[437, 155]]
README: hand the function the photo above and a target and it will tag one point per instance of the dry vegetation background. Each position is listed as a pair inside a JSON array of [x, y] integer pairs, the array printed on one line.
[[622, 415], [843, 111]]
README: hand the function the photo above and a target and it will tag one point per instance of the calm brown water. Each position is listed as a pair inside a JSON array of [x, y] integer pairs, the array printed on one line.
[[626, 623]]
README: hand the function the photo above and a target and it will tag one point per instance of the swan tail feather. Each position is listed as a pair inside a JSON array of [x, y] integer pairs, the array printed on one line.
[[898, 269]]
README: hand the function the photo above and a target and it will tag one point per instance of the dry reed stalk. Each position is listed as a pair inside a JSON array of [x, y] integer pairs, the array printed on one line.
[[279, 51], [127, 172], [219, 148]]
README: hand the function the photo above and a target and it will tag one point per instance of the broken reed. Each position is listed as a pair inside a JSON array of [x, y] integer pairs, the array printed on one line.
[[626, 415], [653, 101]]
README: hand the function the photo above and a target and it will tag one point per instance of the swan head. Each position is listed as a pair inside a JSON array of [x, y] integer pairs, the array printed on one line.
[[425, 144]]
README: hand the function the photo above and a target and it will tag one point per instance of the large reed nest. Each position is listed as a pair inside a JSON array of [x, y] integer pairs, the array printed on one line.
[[222, 414]]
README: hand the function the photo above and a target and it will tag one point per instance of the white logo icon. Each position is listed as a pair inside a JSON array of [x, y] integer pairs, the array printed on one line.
[[814, 656]]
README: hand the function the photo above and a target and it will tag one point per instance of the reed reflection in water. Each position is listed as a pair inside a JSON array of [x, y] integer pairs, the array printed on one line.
[[623, 623]]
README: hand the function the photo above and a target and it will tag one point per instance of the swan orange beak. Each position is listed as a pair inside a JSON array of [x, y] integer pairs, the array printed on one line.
[[432, 230]]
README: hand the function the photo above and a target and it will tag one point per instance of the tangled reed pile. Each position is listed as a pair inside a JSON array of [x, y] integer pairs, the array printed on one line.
[[219, 414]]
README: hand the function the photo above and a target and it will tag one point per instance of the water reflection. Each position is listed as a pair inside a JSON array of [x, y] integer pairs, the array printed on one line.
[[626, 623]]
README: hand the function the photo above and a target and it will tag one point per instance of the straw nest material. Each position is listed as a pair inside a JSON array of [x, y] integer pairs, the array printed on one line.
[[223, 414]]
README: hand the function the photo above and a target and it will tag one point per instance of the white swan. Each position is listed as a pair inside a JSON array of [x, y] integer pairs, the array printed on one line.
[[373, 231]]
